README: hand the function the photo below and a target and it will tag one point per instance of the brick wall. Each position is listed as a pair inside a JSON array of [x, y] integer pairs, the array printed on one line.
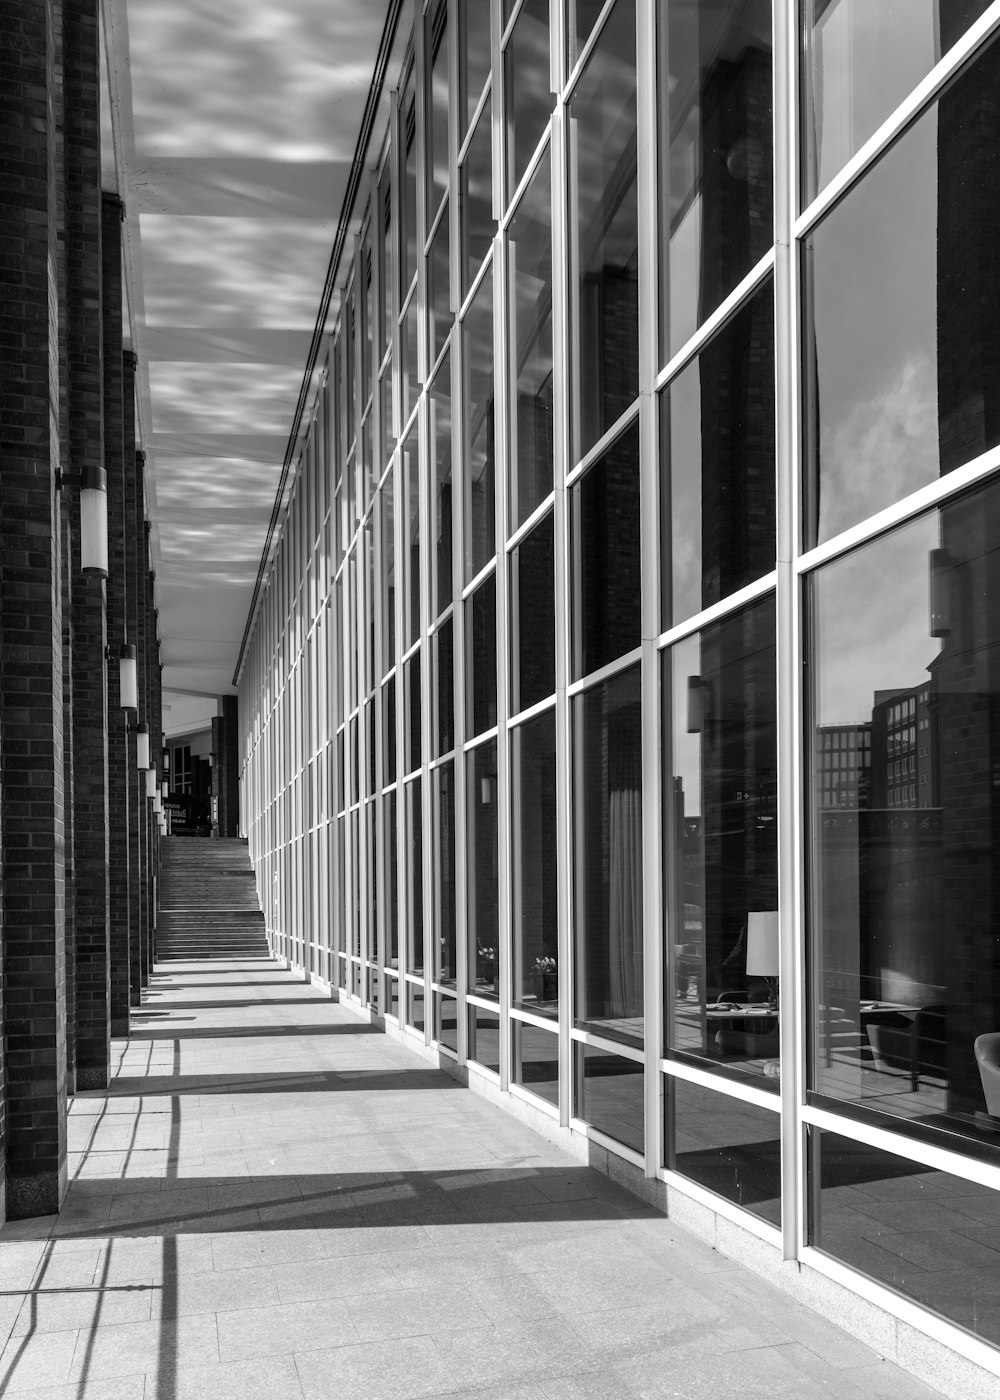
[[89, 993], [120, 798], [31, 680]]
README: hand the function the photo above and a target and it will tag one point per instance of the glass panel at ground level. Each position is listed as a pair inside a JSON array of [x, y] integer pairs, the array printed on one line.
[[925, 1234], [731, 1147], [607, 857], [535, 982]]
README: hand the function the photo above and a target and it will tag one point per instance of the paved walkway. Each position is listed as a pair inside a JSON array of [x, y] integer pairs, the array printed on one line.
[[275, 1201]]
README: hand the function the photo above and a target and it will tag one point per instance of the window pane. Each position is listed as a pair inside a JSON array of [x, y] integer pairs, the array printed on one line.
[[389, 731], [609, 1094], [476, 208], [414, 880], [581, 18], [446, 1021], [604, 217], [604, 522], [444, 734], [906, 964], [903, 378], [607, 916], [925, 1234], [536, 892], [482, 873], [717, 465], [732, 1148], [480, 465], [408, 354], [532, 598], [527, 98], [385, 261], [414, 1006], [536, 1061], [716, 165], [411, 526], [721, 826], [440, 411], [411, 730], [474, 57], [388, 571], [437, 132], [530, 255], [391, 949], [439, 290], [481, 658], [861, 61], [444, 874], [408, 193], [484, 1038]]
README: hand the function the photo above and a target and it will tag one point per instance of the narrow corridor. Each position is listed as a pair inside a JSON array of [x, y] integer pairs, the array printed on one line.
[[275, 1200]]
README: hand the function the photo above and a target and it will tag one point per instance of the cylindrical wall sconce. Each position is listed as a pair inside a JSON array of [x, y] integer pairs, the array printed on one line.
[[157, 804], [142, 745], [128, 678], [164, 789], [151, 789], [94, 521]]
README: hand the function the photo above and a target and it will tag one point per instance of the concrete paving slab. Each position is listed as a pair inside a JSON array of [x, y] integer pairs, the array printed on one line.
[[273, 1200]]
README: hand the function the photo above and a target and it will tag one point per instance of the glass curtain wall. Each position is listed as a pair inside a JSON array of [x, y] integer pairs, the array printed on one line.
[[618, 706]]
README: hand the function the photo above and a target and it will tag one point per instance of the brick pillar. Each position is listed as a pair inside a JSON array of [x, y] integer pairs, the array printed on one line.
[[226, 774], [149, 666], [137, 784], [88, 989], [139, 579], [31, 678], [120, 798]]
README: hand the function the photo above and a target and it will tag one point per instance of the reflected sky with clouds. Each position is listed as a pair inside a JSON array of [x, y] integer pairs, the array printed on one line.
[[872, 622]]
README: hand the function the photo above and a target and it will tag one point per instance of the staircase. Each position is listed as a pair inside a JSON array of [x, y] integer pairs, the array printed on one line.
[[207, 905]]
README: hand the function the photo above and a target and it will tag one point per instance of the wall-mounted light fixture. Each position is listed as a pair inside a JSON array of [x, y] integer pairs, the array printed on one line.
[[166, 760], [128, 677], [941, 566], [142, 745], [697, 703], [94, 521], [151, 789], [165, 790], [157, 804]]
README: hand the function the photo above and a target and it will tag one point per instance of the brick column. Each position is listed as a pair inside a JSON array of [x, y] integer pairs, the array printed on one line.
[[120, 799], [139, 577], [226, 775], [92, 989], [137, 785], [31, 679]]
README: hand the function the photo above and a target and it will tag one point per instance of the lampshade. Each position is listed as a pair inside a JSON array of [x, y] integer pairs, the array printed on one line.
[[94, 521], [142, 746], [164, 789], [762, 943], [157, 804], [151, 788], [128, 678]]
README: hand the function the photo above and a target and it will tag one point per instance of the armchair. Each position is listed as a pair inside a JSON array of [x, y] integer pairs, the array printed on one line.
[[987, 1048]]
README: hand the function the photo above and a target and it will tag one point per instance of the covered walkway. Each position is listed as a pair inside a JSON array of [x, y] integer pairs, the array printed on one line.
[[275, 1200]]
